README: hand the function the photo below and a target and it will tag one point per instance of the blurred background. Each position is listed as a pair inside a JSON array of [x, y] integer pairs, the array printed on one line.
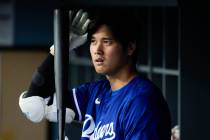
[[173, 54]]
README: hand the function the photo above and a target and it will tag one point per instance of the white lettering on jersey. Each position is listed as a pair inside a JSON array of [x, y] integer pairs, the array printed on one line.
[[105, 131], [88, 126]]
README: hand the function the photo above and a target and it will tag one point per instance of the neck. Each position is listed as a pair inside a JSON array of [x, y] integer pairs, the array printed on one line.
[[121, 78]]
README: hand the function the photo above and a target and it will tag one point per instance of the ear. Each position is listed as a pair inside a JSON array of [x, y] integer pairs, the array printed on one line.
[[131, 48]]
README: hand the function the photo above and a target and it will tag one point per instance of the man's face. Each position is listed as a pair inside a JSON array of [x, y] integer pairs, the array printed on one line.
[[107, 54]]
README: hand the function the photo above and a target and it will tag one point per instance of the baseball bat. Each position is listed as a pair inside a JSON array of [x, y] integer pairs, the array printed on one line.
[[61, 42]]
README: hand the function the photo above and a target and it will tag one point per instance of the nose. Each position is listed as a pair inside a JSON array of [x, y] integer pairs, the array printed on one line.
[[99, 48]]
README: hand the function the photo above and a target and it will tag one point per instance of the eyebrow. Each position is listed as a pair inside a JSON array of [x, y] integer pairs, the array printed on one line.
[[104, 38]]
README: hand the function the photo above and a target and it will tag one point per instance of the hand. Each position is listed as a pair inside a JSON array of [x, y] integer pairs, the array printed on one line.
[[36, 108], [52, 50], [78, 27], [78, 30], [33, 107], [66, 138], [175, 133], [51, 112]]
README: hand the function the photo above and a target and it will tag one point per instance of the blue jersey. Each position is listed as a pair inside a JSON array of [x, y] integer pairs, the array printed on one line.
[[137, 111]]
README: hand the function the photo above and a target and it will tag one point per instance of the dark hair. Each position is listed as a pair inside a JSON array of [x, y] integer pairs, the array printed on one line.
[[123, 25]]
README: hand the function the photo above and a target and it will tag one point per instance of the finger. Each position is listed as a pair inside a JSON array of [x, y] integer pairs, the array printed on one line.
[[52, 50], [82, 20], [77, 17], [85, 26], [70, 16]]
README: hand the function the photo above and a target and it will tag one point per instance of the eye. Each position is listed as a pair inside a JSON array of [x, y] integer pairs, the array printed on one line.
[[93, 41], [107, 42]]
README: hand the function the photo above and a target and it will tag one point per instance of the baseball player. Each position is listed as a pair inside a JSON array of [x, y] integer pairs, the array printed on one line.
[[123, 106]]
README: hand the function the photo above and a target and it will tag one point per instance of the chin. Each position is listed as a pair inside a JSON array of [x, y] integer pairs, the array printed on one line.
[[101, 71]]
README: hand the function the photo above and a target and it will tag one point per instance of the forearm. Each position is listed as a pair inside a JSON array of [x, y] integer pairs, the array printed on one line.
[[43, 81]]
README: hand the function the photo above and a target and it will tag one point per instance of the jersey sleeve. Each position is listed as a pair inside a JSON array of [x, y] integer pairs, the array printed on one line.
[[144, 120], [78, 100]]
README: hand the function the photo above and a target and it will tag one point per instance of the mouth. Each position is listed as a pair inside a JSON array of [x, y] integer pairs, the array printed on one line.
[[99, 61]]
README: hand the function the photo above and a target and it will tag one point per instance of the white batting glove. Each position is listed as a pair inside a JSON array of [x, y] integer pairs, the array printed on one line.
[[66, 138], [33, 107], [36, 109], [51, 113], [175, 133]]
